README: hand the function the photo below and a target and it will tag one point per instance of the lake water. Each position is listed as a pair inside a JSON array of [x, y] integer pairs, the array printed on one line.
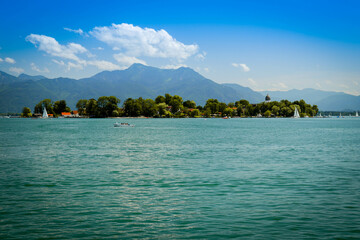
[[180, 179]]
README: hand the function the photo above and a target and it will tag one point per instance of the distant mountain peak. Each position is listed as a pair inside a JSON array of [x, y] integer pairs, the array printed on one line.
[[137, 65], [24, 76]]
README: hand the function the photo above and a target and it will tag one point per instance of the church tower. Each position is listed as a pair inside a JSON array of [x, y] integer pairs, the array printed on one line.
[[267, 98]]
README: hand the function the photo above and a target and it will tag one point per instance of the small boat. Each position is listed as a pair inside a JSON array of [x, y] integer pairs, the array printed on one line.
[[320, 116], [296, 113], [45, 115], [356, 114], [123, 125]]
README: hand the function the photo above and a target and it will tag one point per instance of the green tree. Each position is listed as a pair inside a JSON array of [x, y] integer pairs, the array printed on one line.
[[228, 112], [81, 106], [286, 111], [222, 107], [207, 113], [242, 102], [101, 106], [91, 108], [176, 104], [212, 105], [160, 99], [168, 98], [106, 105], [115, 113], [132, 108], [26, 112], [240, 110], [275, 110], [60, 106], [149, 108], [195, 113], [189, 104], [161, 107], [315, 109], [47, 103], [267, 113], [112, 106]]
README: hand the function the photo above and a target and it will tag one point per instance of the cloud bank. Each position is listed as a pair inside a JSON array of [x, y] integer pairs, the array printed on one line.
[[10, 60], [16, 70], [70, 51], [37, 69], [52, 47], [135, 41]]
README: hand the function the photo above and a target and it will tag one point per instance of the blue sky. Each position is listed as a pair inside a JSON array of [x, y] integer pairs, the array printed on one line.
[[265, 45]]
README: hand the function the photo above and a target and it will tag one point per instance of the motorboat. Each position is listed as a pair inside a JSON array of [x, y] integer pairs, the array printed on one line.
[[117, 124]]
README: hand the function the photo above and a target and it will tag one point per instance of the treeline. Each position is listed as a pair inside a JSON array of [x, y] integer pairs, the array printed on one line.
[[173, 106]]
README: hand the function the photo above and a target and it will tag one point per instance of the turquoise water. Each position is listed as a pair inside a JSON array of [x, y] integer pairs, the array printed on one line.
[[180, 179]]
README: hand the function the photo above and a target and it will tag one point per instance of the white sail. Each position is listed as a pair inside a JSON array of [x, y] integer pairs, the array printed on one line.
[[296, 113], [356, 114], [45, 115]]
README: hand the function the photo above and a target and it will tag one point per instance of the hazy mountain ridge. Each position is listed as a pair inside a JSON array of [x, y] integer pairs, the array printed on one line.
[[325, 100], [149, 82], [136, 81]]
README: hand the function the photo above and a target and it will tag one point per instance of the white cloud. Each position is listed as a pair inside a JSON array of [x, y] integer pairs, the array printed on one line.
[[280, 86], [343, 86], [356, 83], [104, 65], [136, 41], [99, 48], [71, 65], [241, 65], [318, 85], [52, 47], [206, 69], [71, 51], [126, 60], [252, 82], [61, 63], [283, 85], [10, 60], [201, 56], [37, 69], [170, 66], [78, 31], [16, 70]]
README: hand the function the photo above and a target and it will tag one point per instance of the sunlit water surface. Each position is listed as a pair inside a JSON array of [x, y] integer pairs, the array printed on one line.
[[180, 178]]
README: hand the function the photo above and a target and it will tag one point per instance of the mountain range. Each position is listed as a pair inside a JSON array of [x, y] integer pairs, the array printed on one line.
[[149, 82]]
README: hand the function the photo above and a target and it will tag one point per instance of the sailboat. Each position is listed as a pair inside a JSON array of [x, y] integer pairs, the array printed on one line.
[[296, 113], [45, 115], [356, 114]]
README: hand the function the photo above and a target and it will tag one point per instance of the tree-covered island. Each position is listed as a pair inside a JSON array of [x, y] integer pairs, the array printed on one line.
[[168, 106]]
